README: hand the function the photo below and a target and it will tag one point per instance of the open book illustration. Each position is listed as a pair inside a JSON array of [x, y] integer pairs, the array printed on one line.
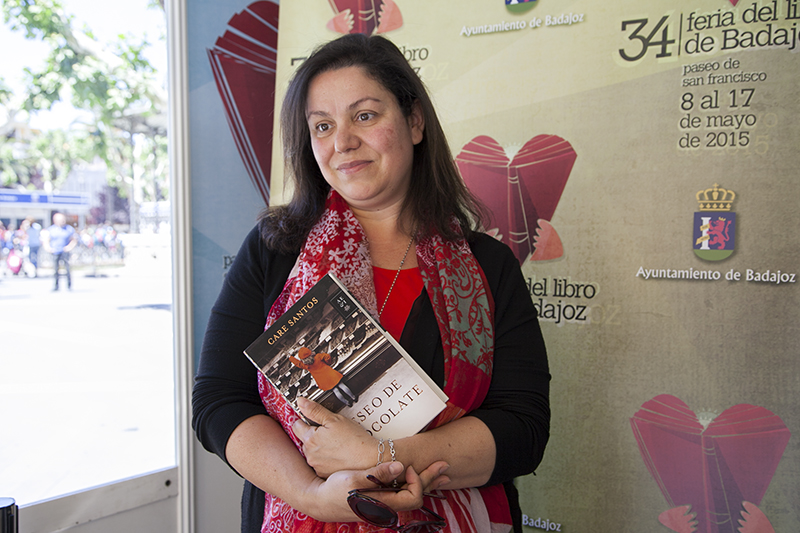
[[365, 16], [243, 61], [328, 349], [713, 469], [521, 186]]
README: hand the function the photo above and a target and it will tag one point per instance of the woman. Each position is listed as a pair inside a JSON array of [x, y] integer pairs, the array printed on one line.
[[377, 200], [324, 375]]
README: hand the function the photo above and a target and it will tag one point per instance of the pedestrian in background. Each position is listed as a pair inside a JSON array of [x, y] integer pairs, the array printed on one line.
[[33, 230], [59, 240]]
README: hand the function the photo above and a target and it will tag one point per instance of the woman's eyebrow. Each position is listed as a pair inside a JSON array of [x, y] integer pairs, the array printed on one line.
[[352, 106], [362, 100]]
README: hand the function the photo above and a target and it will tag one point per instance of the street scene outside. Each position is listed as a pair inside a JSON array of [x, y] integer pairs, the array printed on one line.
[[87, 388], [87, 381]]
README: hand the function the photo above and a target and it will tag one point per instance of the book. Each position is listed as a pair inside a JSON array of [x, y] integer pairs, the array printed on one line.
[[329, 349]]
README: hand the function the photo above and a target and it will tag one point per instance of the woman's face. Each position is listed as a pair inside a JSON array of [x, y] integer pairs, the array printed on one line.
[[363, 144]]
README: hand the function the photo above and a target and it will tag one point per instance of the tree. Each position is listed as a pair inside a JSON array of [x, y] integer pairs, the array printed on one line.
[[125, 124], [44, 157]]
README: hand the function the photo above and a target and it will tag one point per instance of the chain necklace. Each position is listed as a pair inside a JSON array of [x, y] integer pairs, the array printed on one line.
[[396, 275]]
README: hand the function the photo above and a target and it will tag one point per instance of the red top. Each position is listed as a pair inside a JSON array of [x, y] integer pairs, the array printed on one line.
[[407, 288]]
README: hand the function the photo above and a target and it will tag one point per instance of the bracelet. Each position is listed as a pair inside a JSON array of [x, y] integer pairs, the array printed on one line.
[[381, 449], [394, 458]]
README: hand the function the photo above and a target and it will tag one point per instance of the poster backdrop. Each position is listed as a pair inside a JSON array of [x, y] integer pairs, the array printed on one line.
[[231, 48], [641, 160], [231, 64]]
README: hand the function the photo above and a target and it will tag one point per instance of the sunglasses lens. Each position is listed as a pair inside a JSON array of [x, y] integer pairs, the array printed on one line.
[[374, 514]]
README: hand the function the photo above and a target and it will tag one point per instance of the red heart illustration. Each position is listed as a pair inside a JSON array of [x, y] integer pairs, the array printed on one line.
[[243, 61], [365, 16], [712, 468], [520, 191]]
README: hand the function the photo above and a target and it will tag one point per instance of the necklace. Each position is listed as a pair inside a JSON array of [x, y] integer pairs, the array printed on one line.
[[396, 275]]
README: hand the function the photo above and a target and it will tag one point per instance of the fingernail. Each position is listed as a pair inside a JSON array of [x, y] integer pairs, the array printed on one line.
[[443, 469], [395, 467]]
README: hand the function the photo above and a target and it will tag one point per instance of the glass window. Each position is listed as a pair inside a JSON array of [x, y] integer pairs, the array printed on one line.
[[87, 387]]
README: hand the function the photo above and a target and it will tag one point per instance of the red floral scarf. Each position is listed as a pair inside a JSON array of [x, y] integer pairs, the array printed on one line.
[[464, 310]]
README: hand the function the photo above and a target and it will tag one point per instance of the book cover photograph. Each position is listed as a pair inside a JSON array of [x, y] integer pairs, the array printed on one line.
[[328, 349]]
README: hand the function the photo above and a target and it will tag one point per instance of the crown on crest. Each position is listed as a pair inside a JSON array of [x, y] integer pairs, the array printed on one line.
[[715, 199]]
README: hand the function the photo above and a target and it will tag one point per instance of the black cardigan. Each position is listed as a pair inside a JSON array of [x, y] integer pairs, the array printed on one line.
[[516, 409]]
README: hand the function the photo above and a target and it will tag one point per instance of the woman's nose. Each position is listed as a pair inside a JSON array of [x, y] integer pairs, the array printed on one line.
[[346, 140]]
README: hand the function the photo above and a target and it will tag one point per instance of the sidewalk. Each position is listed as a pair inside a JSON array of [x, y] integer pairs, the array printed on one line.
[[86, 387]]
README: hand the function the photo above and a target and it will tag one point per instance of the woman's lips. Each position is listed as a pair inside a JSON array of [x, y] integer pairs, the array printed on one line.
[[352, 166]]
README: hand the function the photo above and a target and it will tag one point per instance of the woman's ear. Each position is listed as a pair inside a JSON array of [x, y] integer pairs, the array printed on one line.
[[416, 121]]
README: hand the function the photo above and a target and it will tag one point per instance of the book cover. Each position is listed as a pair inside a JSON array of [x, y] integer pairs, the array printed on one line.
[[329, 349]]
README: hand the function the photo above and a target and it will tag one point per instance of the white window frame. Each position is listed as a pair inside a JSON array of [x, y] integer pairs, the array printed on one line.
[[73, 510], [138, 494]]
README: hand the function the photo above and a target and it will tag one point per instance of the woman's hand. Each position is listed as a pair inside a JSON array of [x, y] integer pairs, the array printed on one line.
[[328, 498], [263, 453], [337, 444], [465, 444], [432, 478]]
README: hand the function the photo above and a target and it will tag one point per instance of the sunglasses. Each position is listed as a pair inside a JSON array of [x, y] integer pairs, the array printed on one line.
[[377, 513]]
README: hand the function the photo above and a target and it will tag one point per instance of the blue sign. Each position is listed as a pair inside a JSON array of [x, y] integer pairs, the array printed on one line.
[[37, 197]]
